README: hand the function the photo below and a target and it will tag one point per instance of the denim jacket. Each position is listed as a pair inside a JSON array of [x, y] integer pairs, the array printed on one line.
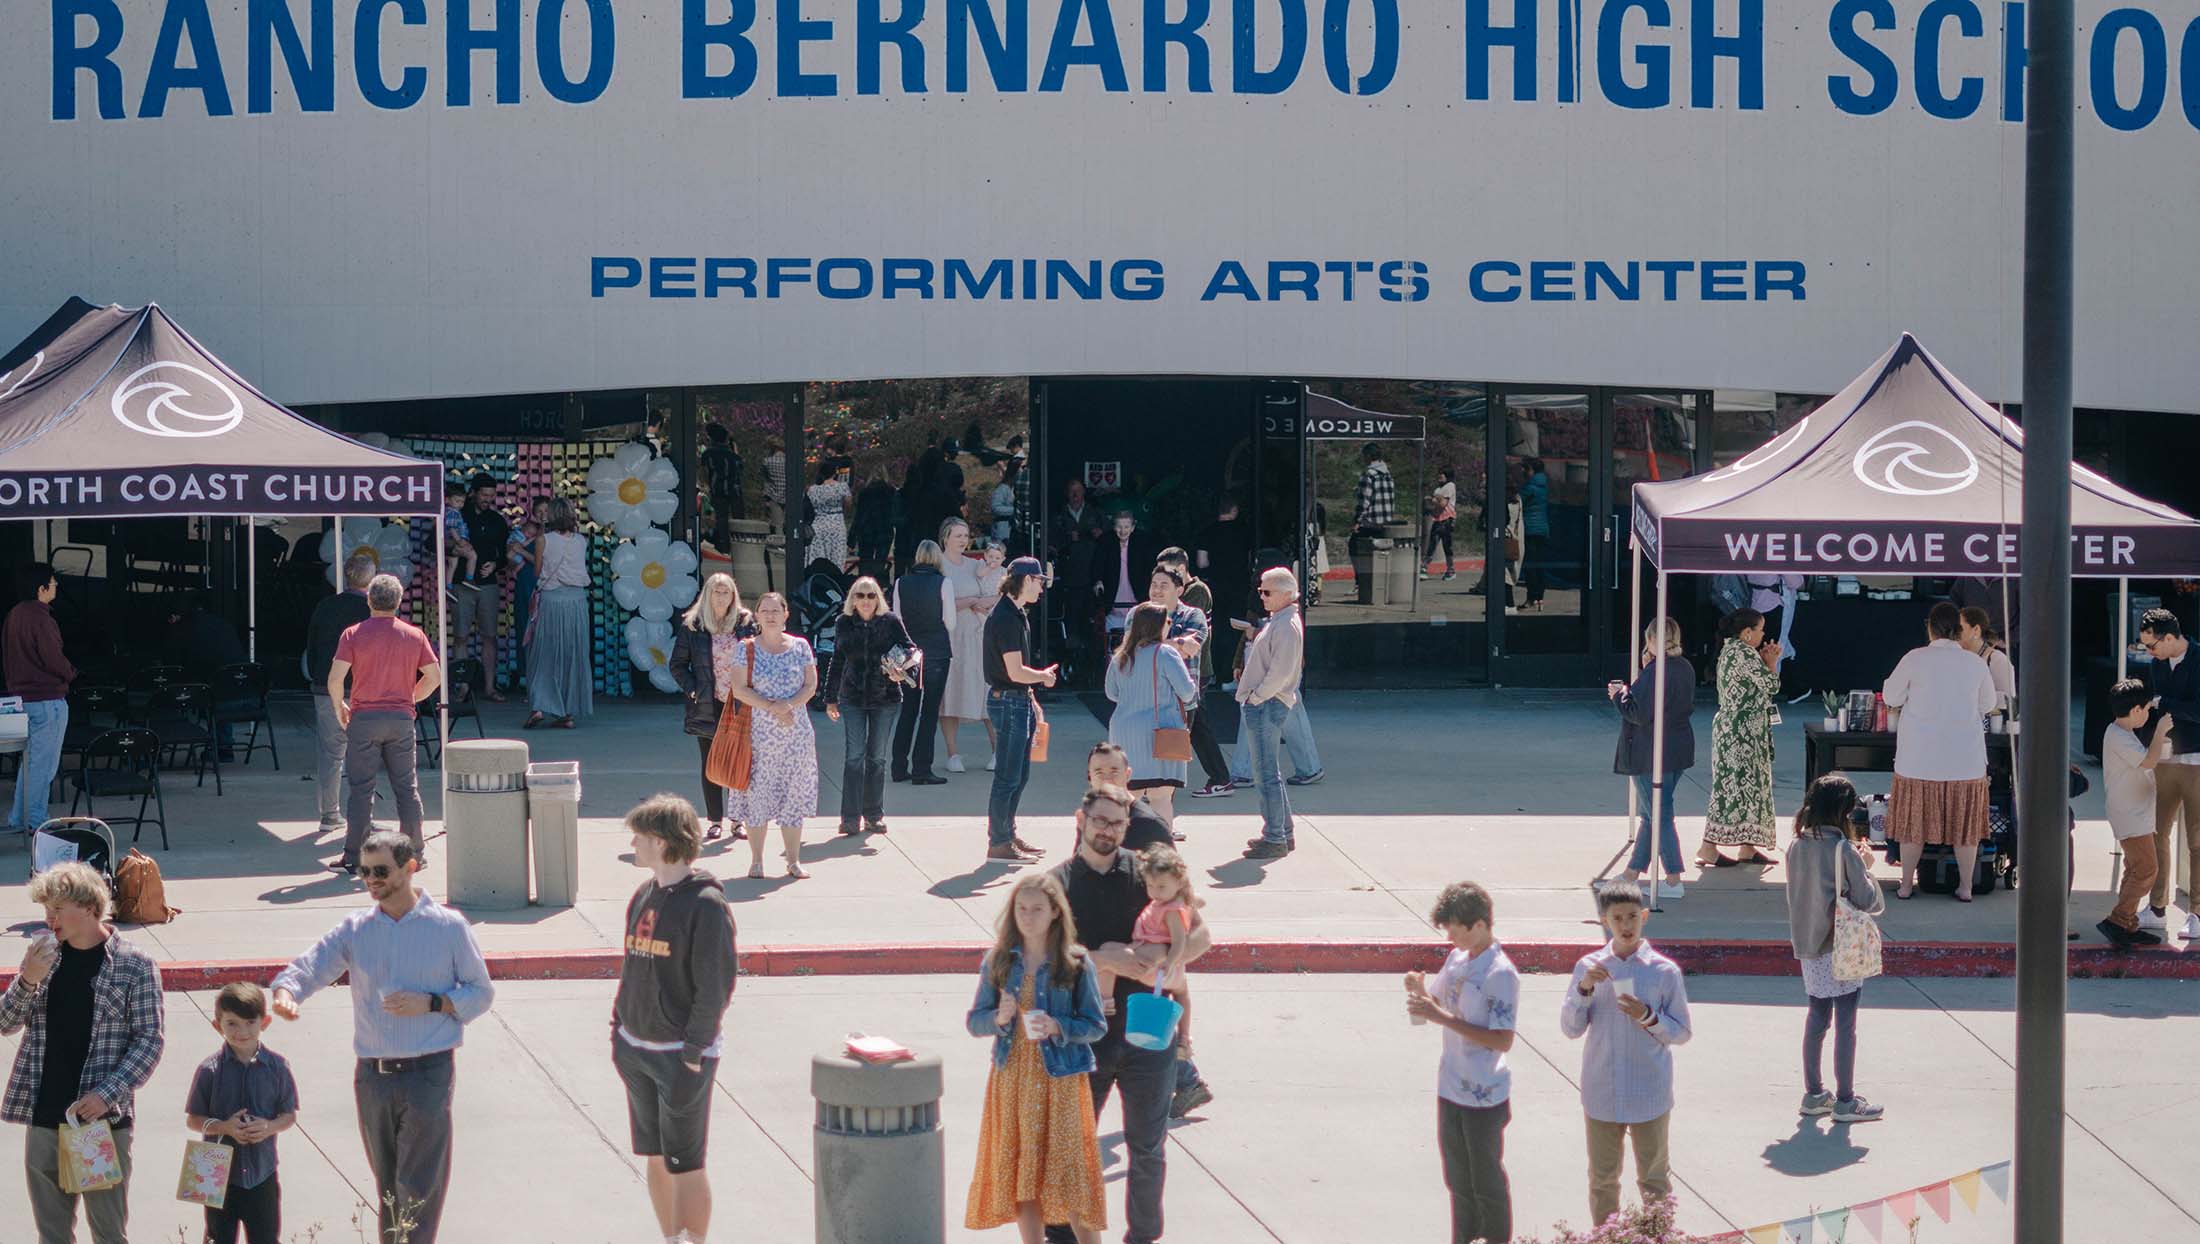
[[1076, 1008]]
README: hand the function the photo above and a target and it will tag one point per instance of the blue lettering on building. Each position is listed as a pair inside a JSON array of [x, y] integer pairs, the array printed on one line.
[[1888, 56]]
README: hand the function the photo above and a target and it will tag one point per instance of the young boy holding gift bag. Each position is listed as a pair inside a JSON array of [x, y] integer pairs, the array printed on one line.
[[241, 1098]]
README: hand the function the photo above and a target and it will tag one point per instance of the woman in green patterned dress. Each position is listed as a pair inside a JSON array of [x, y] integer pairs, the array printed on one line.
[[1741, 744]]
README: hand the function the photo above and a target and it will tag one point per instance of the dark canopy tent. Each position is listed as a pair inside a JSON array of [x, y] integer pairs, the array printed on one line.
[[1904, 472], [112, 412]]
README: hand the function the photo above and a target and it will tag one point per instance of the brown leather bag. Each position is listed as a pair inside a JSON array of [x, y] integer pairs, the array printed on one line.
[[140, 895], [1170, 743], [730, 753]]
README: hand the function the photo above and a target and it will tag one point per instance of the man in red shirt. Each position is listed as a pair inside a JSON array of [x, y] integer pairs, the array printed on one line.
[[391, 666]]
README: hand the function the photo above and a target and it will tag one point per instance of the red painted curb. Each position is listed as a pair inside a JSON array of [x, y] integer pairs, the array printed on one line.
[[1702, 958]]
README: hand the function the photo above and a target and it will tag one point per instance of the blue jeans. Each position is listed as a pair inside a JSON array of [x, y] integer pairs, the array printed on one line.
[[41, 760], [1298, 740], [1669, 839], [867, 731], [1011, 715], [1264, 722]]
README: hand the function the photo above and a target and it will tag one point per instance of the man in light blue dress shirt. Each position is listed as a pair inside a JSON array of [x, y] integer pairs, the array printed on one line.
[[417, 979], [1631, 1004]]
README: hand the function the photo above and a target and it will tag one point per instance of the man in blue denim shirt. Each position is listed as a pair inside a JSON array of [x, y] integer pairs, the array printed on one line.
[[1630, 1002], [417, 979]]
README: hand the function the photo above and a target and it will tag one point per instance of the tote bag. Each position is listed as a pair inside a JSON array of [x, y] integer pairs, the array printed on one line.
[[1855, 943], [1170, 743], [730, 755]]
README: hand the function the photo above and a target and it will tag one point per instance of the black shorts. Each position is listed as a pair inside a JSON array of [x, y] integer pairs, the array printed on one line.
[[667, 1106], [1155, 783]]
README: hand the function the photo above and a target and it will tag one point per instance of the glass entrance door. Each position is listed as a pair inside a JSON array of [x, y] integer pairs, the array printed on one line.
[[1541, 610], [1653, 438]]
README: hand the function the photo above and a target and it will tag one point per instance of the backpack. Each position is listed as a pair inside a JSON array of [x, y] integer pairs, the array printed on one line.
[[1729, 592], [140, 896]]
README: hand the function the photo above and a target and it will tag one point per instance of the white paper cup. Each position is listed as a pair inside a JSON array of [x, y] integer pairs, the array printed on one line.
[[1031, 1024], [1623, 988]]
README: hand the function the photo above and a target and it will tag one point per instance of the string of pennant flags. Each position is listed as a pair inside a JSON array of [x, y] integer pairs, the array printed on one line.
[[1887, 1218]]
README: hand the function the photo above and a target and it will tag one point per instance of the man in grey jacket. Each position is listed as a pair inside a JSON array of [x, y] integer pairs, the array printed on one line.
[[1266, 691]]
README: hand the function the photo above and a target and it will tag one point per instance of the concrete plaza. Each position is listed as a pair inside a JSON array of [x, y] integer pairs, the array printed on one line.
[[1321, 1128], [1321, 1131]]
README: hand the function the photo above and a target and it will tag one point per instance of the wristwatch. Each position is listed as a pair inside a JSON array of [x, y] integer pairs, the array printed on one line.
[[435, 1003]]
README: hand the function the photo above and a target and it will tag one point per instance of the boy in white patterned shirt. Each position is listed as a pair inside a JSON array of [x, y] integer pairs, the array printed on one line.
[[1475, 999]]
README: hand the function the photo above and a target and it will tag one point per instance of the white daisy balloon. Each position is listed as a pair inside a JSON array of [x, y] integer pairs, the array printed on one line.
[[653, 575], [389, 544], [631, 490], [649, 646]]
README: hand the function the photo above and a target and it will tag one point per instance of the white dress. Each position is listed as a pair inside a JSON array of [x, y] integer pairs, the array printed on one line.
[[829, 526], [964, 696]]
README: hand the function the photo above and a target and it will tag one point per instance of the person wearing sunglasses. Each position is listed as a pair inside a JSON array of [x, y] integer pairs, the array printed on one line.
[[1266, 691], [2174, 680], [873, 658], [417, 980]]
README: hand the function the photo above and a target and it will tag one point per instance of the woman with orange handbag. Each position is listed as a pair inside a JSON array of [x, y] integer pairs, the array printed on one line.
[[703, 656], [1150, 685]]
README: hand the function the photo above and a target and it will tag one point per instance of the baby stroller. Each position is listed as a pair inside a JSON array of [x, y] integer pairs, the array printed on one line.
[[815, 615], [75, 839]]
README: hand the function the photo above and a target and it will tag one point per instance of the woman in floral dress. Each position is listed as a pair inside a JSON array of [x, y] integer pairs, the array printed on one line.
[[782, 746], [1741, 744], [1039, 999]]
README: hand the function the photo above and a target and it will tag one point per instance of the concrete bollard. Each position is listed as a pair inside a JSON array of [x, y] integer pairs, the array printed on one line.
[[881, 1158], [485, 822], [553, 828]]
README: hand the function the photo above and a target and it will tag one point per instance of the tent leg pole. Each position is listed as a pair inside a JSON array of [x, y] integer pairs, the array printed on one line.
[[1634, 658], [443, 650], [2123, 629], [251, 589], [1658, 793]]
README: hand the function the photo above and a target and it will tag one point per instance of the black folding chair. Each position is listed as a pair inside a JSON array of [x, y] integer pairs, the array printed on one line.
[[118, 764], [183, 717], [463, 705], [148, 682], [240, 697], [92, 712]]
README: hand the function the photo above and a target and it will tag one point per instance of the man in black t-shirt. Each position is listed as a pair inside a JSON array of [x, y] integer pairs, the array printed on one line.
[[1010, 705], [1105, 896], [480, 612]]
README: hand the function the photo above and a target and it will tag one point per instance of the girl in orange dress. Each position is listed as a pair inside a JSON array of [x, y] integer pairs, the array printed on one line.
[[1039, 999]]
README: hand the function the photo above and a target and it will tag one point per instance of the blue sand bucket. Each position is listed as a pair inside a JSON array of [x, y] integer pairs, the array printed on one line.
[[1151, 1022]]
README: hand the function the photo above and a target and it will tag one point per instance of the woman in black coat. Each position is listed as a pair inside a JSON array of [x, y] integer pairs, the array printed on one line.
[[1637, 714], [863, 693], [708, 636]]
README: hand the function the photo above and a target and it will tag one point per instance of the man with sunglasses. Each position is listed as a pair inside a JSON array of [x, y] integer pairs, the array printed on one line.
[[1266, 691], [2174, 678], [417, 979]]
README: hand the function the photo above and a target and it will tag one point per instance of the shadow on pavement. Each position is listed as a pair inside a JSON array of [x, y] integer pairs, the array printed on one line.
[[1811, 1151]]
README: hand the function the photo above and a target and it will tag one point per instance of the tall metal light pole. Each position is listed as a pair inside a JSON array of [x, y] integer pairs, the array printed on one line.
[[2043, 796]]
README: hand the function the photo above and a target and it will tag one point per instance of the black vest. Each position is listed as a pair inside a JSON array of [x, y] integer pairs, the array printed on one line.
[[920, 611]]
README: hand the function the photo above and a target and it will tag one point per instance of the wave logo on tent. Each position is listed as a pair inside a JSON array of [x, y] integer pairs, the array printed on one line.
[[37, 360], [167, 407], [1912, 467]]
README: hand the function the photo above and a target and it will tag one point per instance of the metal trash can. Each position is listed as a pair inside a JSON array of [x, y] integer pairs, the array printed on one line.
[[485, 822], [554, 829], [1405, 563], [747, 556], [880, 1156]]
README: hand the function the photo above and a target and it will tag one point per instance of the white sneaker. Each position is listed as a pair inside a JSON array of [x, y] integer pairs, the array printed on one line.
[[2151, 920], [955, 764], [990, 762], [2192, 927], [1672, 889]]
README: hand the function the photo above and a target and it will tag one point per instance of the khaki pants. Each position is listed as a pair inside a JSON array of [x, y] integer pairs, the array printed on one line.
[[2176, 787], [2139, 869], [53, 1212], [1651, 1177]]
